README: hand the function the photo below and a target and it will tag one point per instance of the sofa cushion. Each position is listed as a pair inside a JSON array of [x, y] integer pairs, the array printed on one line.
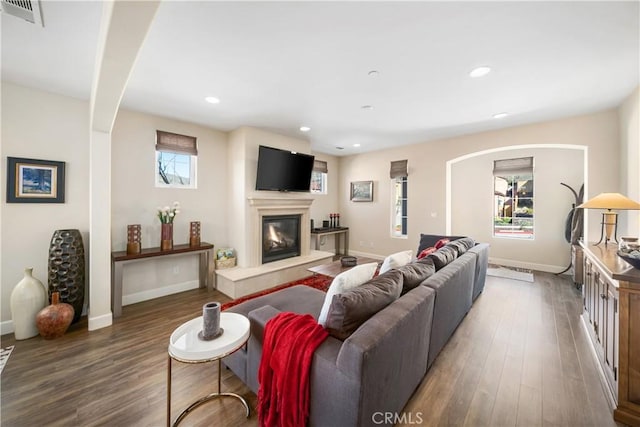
[[415, 273], [351, 309], [345, 281], [396, 260], [428, 240], [462, 245], [442, 256]]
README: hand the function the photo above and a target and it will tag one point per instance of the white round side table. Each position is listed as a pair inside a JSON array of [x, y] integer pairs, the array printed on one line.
[[186, 347]]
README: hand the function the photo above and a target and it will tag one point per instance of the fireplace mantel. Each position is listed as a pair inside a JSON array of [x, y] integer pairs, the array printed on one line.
[[277, 202]]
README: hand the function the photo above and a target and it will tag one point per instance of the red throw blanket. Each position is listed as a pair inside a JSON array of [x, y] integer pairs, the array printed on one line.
[[289, 342]]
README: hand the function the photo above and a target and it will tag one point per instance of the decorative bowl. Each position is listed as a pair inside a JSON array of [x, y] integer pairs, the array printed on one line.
[[348, 261], [635, 262]]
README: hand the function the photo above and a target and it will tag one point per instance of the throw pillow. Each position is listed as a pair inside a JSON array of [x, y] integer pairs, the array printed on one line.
[[345, 281], [440, 243], [426, 252], [443, 256], [415, 273], [351, 309], [428, 240], [396, 260]]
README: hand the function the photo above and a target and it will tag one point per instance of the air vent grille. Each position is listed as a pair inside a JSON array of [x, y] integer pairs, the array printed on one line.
[[29, 10]]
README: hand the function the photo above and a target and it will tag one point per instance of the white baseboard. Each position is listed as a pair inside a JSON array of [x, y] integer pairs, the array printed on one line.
[[6, 327], [366, 254], [529, 265], [159, 292], [99, 322]]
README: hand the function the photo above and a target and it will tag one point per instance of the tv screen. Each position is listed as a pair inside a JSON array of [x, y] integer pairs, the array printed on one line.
[[281, 170]]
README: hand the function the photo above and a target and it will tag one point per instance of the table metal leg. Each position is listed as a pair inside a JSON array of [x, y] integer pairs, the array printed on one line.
[[169, 392], [209, 397]]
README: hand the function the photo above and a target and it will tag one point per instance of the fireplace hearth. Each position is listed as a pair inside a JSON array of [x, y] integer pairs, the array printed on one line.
[[280, 237]]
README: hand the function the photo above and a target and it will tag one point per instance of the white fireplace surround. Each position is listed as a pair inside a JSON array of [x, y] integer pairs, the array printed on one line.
[[255, 276], [261, 207]]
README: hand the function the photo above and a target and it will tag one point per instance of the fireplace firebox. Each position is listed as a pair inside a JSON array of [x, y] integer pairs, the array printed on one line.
[[280, 237]]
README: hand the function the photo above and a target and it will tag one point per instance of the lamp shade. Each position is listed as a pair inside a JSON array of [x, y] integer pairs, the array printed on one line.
[[610, 201]]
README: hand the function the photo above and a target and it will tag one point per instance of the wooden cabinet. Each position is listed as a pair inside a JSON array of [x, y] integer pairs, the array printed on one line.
[[611, 300], [600, 296]]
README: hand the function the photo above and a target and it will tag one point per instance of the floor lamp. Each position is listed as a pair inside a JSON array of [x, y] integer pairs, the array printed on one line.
[[610, 201]]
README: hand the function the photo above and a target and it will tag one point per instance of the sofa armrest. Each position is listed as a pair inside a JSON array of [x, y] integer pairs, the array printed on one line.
[[259, 317]]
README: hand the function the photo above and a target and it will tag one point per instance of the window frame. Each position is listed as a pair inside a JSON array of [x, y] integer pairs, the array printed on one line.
[[404, 213], [193, 175], [323, 180], [511, 180], [178, 145]]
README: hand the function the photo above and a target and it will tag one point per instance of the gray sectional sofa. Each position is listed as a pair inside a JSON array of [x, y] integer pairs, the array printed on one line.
[[378, 367]]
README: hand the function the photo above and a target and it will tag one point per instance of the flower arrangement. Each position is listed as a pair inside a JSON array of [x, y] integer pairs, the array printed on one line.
[[167, 214]]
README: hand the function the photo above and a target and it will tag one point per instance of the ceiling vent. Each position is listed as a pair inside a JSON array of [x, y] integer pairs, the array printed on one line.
[[29, 10]]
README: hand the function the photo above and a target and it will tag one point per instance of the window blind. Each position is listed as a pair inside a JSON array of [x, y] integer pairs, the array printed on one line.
[[167, 141], [519, 166], [398, 169], [320, 166]]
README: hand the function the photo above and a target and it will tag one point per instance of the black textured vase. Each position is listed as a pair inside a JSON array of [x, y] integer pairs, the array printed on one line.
[[66, 268]]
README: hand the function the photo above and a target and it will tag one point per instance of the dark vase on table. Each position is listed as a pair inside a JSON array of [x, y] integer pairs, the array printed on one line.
[[166, 236], [67, 269]]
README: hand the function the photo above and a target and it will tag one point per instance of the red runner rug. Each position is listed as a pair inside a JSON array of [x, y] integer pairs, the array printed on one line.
[[317, 281]]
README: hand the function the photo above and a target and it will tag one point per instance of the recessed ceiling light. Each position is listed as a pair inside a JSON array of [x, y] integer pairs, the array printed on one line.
[[212, 100], [500, 115], [373, 73], [480, 71], [356, 145], [305, 128], [367, 107]]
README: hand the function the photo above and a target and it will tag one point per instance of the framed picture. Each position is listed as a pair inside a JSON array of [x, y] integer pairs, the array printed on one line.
[[34, 181], [362, 191]]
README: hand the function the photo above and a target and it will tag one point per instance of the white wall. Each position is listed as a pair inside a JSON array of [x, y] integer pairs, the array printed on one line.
[[135, 199], [427, 177], [629, 113], [472, 204], [41, 125], [324, 204], [243, 156]]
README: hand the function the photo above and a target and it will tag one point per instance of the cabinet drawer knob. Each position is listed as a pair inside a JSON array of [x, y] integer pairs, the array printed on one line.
[[603, 296]]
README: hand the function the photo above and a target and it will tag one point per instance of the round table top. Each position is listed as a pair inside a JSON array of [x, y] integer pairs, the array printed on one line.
[[185, 345]]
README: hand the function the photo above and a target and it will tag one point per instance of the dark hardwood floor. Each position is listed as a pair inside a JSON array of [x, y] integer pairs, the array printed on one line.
[[520, 357]]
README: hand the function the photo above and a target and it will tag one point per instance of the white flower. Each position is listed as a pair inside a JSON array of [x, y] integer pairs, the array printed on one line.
[[167, 214]]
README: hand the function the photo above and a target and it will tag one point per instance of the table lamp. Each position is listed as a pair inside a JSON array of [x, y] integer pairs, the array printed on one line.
[[609, 201]]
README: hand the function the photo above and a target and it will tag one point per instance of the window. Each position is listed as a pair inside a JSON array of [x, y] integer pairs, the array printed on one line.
[[513, 198], [176, 160], [319, 177], [399, 212]]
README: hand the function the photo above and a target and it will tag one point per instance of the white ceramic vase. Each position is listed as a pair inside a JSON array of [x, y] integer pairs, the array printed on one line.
[[27, 299]]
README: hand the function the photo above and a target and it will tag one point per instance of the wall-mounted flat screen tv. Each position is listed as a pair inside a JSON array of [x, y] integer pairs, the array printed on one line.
[[282, 170]]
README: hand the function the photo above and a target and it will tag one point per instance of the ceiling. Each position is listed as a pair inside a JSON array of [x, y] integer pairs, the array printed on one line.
[[281, 65]]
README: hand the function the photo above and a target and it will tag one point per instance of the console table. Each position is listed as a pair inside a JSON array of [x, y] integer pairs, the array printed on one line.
[[119, 259], [344, 231]]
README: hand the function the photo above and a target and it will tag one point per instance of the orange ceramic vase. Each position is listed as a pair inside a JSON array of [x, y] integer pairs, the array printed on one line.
[[54, 320]]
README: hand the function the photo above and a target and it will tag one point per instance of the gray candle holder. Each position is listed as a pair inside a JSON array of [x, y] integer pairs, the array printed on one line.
[[210, 322]]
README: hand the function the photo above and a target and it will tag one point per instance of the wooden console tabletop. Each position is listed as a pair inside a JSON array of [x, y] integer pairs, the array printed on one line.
[[120, 258]]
